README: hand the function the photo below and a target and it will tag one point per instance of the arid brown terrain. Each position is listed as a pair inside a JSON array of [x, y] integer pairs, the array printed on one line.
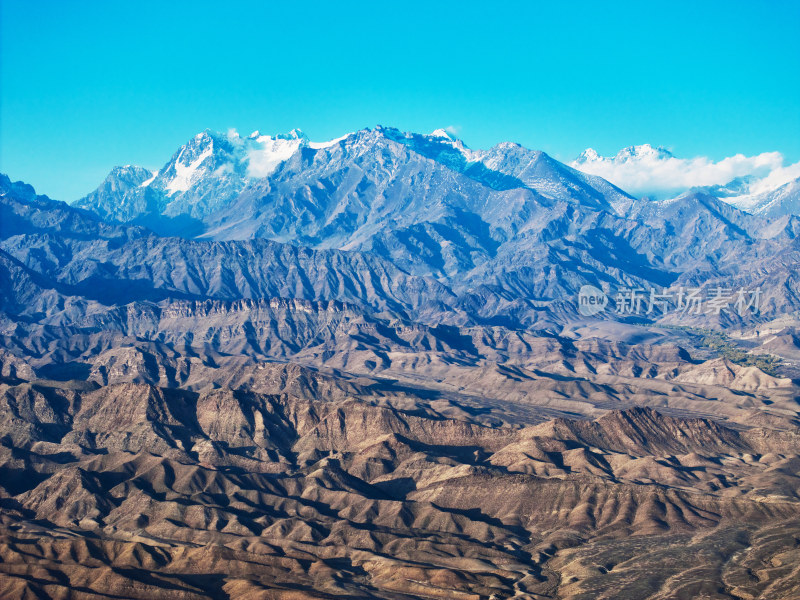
[[294, 484]]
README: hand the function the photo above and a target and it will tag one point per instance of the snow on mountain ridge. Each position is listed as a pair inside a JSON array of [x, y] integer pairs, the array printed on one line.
[[147, 182], [639, 152], [329, 143], [212, 169], [228, 158], [185, 173], [262, 161], [780, 201], [443, 133]]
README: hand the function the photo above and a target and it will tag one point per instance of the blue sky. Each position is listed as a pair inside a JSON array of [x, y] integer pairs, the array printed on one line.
[[86, 85]]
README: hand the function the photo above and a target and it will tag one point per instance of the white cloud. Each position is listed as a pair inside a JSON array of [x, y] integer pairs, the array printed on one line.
[[776, 178], [644, 170], [265, 153]]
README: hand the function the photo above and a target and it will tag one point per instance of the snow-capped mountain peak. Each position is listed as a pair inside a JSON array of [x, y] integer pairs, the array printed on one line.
[[588, 155], [129, 171], [226, 162], [631, 153], [653, 171], [126, 177], [294, 134], [783, 200], [440, 145], [211, 168], [264, 153], [444, 133], [642, 151]]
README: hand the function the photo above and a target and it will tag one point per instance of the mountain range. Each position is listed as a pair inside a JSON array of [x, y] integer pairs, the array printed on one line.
[[486, 224], [283, 369]]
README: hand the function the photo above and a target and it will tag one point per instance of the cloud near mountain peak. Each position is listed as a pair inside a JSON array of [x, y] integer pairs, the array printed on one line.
[[648, 171]]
